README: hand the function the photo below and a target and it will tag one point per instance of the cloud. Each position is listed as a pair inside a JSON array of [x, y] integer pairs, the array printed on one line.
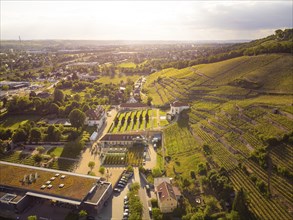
[[144, 20], [244, 15]]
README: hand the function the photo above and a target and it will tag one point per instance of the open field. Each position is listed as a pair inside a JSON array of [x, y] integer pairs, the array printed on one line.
[[117, 79]]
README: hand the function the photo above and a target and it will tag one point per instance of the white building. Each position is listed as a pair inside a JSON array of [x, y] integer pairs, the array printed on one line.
[[177, 107], [95, 117]]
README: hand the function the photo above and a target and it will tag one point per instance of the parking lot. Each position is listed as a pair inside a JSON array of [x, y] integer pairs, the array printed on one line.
[[115, 208]]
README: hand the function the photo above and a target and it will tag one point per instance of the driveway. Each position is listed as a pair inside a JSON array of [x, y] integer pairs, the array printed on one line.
[[150, 164], [142, 194]]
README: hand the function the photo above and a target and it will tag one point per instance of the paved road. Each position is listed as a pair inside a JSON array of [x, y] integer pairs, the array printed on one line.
[[142, 194]]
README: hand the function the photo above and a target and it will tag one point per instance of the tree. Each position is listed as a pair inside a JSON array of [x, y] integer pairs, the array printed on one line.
[[157, 172], [240, 204], [35, 134], [157, 215], [77, 97], [58, 95], [134, 186], [91, 165], [82, 213], [5, 87], [206, 149], [54, 108], [40, 149], [202, 169], [37, 158], [77, 118], [147, 118], [19, 136], [149, 101], [32, 217], [32, 94], [102, 170], [85, 107], [129, 168]]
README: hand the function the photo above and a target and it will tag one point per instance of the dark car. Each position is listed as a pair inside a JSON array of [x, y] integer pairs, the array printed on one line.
[[122, 183], [90, 217], [126, 206], [120, 186]]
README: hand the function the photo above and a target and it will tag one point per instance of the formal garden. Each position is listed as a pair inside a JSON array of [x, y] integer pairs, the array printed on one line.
[[139, 120], [131, 156]]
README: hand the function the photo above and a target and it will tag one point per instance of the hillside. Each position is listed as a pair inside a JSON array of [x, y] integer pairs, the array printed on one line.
[[242, 77], [242, 110]]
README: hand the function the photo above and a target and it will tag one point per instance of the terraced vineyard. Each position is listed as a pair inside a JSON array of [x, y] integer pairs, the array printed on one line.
[[242, 77], [236, 108]]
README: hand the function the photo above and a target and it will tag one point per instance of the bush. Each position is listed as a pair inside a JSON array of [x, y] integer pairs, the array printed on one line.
[[154, 203], [202, 169], [156, 172]]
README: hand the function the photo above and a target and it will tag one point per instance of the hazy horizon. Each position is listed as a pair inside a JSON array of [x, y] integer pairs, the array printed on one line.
[[143, 20]]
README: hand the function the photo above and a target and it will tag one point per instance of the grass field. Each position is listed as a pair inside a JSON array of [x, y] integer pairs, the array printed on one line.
[[57, 151], [117, 79], [13, 122]]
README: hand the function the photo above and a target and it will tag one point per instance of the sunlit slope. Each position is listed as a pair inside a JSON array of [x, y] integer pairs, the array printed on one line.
[[244, 76]]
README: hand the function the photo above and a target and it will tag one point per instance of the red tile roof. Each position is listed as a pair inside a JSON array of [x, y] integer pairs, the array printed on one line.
[[179, 104], [95, 114], [165, 191]]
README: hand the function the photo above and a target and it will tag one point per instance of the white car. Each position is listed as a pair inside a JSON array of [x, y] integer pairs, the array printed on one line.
[[117, 190]]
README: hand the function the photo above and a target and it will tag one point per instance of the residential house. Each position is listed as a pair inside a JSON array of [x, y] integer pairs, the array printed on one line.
[[95, 117], [168, 196], [132, 100], [177, 107]]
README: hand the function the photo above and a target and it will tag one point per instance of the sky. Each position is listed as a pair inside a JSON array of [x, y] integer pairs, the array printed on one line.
[[143, 20]]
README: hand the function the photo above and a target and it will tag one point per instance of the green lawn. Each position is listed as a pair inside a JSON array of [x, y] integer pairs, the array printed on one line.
[[57, 151], [13, 122], [127, 65], [117, 79]]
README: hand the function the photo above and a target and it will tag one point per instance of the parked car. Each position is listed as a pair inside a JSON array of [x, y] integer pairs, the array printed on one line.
[[125, 214], [117, 190], [122, 183], [120, 186], [126, 202], [126, 206], [125, 198]]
